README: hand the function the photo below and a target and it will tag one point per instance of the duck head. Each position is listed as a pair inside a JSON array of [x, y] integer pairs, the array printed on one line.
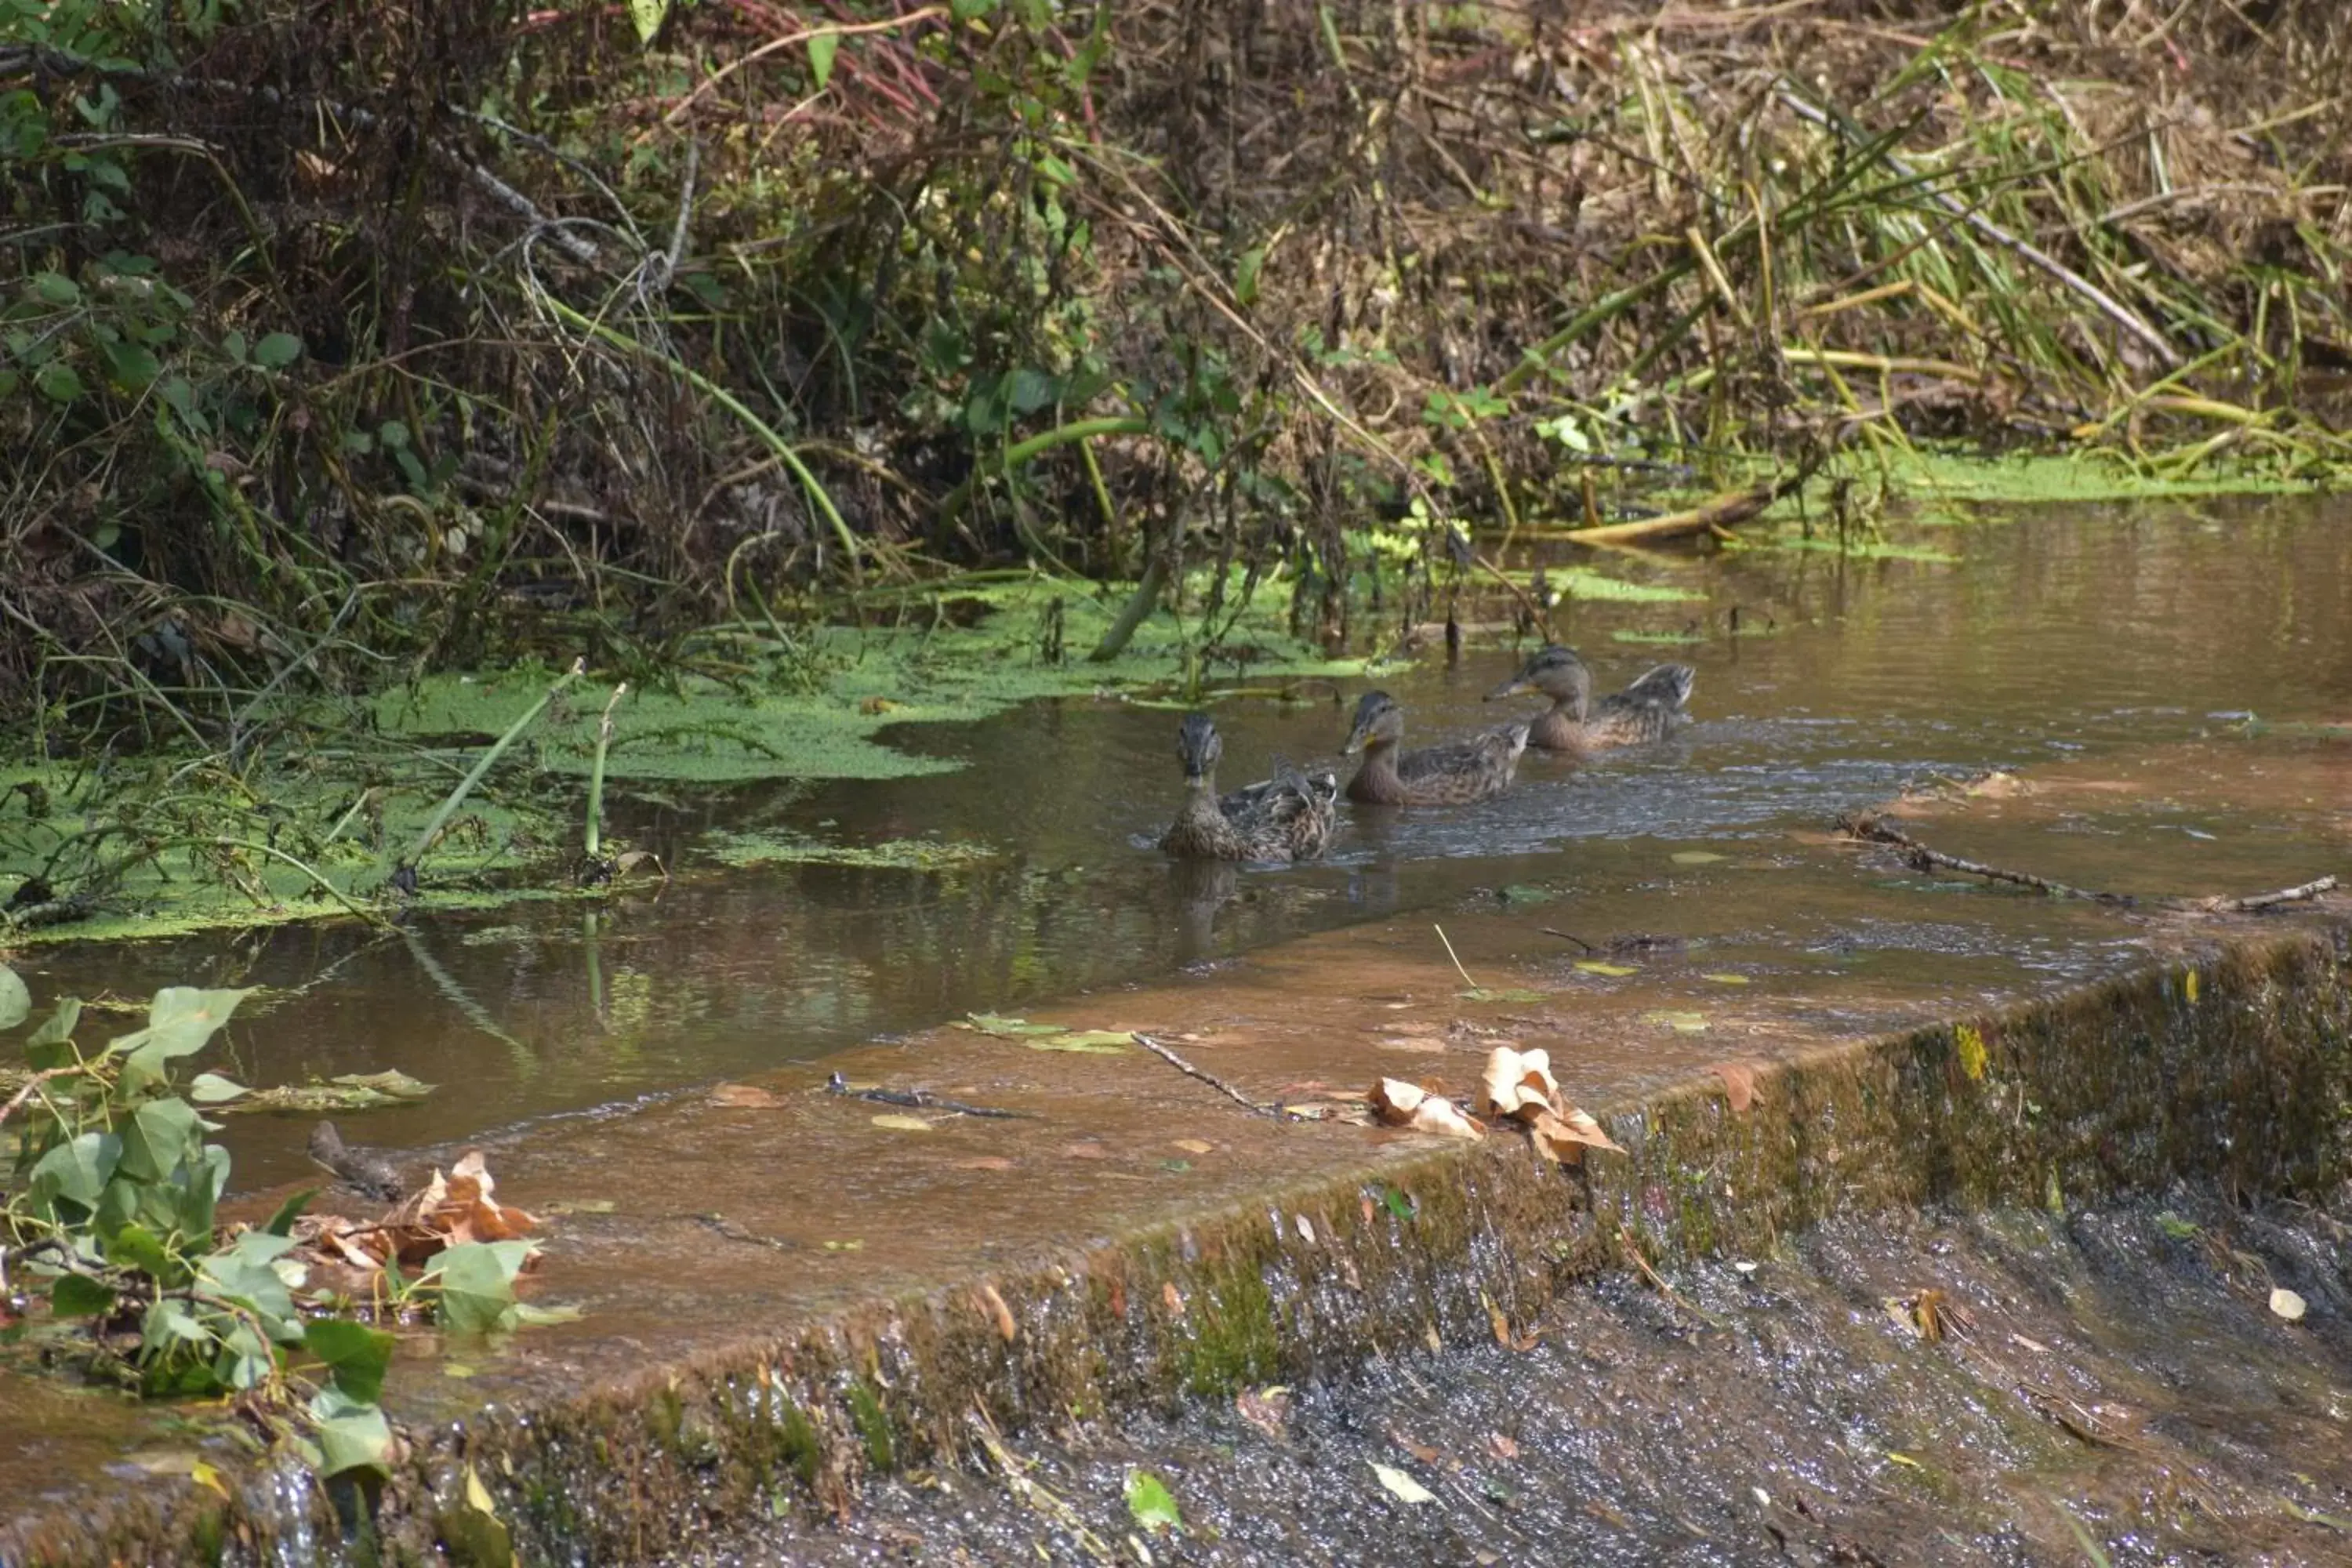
[[1378, 722], [1199, 746], [1555, 671]]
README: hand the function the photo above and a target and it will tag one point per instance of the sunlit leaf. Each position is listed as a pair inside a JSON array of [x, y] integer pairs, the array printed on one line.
[[1402, 1104], [211, 1088], [1101, 1042], [1492, 993], [1695, 857], [897, 1123], [1010, 1028], [1971, 1045], [179, 1022], [821, 47], [2286, 1304], [1595, 966], [1402, 1486], [648, 15], [1725, 978], [1683, 1023], [1150, 1501]]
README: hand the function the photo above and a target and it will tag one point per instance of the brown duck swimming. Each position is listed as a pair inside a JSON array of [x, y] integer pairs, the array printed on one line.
[[1453, 775], [1287, 817], [1649, 709]]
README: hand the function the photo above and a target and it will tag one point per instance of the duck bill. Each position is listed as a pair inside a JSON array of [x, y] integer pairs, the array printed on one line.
[[1357, 737], [1517, 686]]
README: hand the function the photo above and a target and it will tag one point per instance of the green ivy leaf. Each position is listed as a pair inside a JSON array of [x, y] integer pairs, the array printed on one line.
[[16, 999], [78, 1296], [77, 1171], [132, 367], [160, 1136], [51, 1044], [355, 1353], [243, 1272], [476, 1282], [211, 1088], [57, 288], [353, 1434], [179, 1021], [136, 1246], [648, 15], [277, 350], [1150, 1501], [822, 47], [57, 381]]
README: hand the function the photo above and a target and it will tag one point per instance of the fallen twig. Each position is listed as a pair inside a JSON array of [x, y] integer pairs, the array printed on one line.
[[1865, 826], [1868, 827], [916, 1098], [1212, 1080], [2255, 904]]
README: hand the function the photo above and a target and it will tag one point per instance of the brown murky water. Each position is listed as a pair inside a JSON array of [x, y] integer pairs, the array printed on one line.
[[2098, 639]]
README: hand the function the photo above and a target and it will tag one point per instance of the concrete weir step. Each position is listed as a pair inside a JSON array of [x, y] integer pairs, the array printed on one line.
[[782, 1297]]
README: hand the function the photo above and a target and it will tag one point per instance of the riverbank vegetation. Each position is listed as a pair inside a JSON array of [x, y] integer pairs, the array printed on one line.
[[347, 349]]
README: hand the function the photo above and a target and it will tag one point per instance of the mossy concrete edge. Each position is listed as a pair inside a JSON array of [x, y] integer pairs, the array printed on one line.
[[2236, 1067]]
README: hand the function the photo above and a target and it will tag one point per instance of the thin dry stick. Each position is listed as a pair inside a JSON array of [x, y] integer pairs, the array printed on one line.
[[1864, 826], [1919, 857], [31, 1084], [1212, 1080]]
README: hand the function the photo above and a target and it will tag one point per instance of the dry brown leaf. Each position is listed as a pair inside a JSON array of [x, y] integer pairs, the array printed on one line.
[[1267, 1409], [1194, 1145], [1738, 1084], [1502, 1447], [1401, 1104], [1422, 1451], [992, 1304], [744, 1097], [1171, 1299], [1564, 1136], [1517, 1083], [1085, 1152], [984, 1163]]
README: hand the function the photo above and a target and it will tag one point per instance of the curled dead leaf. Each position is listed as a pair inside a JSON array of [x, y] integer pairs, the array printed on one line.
[[1401, 1104], [1517, 1083], [1565, 1135], [993, 1305], [1738, 1084], [1194, 1145]]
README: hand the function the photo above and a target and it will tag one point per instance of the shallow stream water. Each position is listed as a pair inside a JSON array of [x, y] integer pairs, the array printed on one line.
[[2038, 639]]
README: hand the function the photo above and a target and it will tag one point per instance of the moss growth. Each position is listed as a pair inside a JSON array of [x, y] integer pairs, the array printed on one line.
[[1233, 1339], [952, 655], [893, 854], [873, 1425]]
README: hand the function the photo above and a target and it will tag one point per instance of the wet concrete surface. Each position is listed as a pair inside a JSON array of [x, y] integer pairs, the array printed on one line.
[[2109, 1385]]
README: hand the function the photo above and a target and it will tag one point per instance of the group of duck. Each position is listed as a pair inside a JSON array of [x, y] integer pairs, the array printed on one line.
[[1293, 814]]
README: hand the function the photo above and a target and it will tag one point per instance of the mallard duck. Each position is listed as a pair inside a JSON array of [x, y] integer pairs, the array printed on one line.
[[1649, 709], [1286, 818], [1453, 775]]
